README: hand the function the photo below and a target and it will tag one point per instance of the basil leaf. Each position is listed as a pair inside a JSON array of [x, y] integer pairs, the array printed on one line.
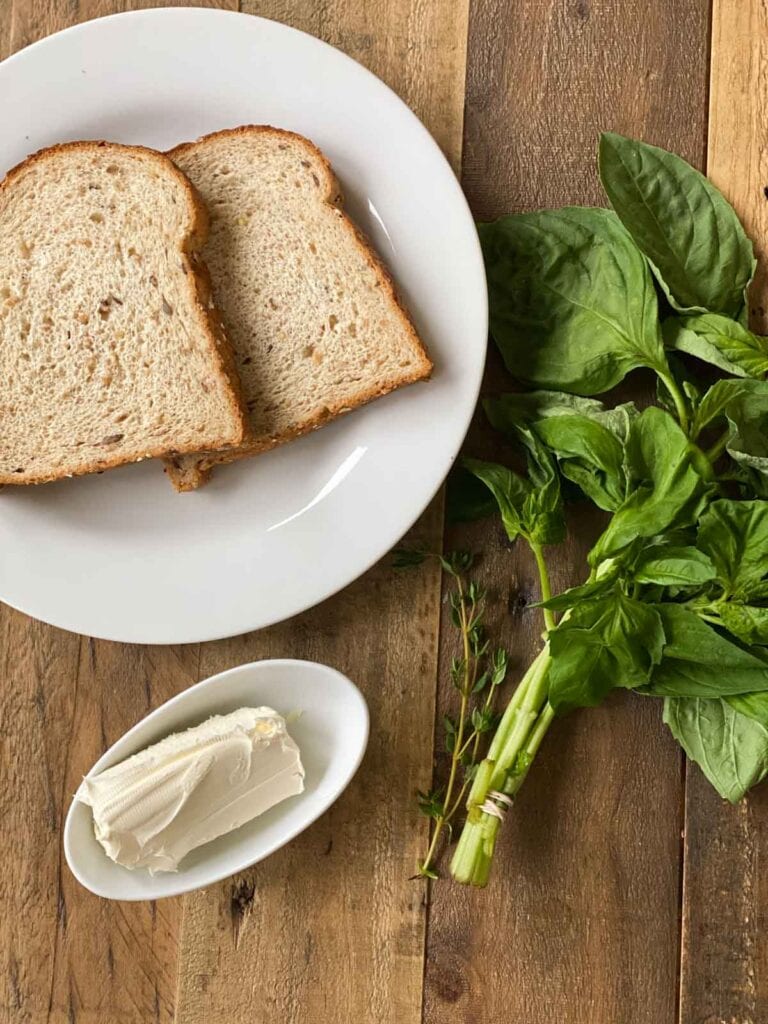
[[572, 301], [604, 643], [576, 595], [691, 236], [716, 400], [507, 412], [466, 498], [747, 622], [735, 536], [699, 662], [587, 438], [669, 480], [674, 567], [730, 748], [531, 509], [753, 705], [720, 341], [747, 414], [509, 489], [589, 455]]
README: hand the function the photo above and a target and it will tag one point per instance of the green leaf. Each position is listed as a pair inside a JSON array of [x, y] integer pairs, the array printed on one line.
[[699, 662], [730, 748], [572, 300], [589, 455], [481, 682], [603, 644], [406, 558], [587, 438], [748, 622], [689, 233], [681, 375], [457, 562], [534, 508], [715, 402], [431, 803], [753, 705], [669, 481], [735, 536], [607, 574], [747, 414], [670, 566], [509, 489], [499, 666], [720, 341], [466, 499], [507, 412]]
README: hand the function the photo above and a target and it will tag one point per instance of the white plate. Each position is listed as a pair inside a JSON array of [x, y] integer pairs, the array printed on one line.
[[122, 556], [331, 731]]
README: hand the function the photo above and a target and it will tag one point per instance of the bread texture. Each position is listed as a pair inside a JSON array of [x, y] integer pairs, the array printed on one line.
[[311, 312], [110, 351]]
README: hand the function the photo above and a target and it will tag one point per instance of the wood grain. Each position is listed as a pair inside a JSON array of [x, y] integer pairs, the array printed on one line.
[[332, 928], [68, 956], [580, 922], [724, 974]]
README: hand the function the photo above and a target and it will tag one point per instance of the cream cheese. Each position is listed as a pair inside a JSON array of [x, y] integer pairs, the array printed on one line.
[[150, 810]]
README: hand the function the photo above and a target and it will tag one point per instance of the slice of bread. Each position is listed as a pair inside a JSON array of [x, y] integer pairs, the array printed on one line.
[[109, 348], [309, 308]]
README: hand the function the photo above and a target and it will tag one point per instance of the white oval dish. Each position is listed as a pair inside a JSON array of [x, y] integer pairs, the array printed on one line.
[[332, 734], [122, 556]]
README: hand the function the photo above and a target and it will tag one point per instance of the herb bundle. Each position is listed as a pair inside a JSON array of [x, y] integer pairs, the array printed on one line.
[[475, 675], [674, 602]]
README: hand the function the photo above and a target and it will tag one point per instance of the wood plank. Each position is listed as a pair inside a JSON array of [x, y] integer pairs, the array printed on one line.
[[68, 956], [331, 928], [724, 970], [580, 921], [38, 666]]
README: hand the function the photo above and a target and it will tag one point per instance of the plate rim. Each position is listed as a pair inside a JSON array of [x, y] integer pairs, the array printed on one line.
[[187, 634]]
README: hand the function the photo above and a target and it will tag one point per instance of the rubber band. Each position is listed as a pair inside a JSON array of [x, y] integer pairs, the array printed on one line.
[[497, 804]]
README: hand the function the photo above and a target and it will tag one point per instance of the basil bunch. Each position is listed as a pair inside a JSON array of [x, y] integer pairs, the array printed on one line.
[[675, 600]]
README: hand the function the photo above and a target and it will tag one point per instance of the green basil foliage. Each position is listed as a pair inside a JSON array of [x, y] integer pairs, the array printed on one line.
[[669, 565], [735, 536], [588, 440], [719, 341], [530, 508], [689, 233], [700, 662], [673, 602], [747, 415], [608, 642], [573, 305], [730, 747], [669, 484]]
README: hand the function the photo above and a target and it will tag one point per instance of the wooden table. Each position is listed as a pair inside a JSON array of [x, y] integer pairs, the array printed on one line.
[[625, 891]]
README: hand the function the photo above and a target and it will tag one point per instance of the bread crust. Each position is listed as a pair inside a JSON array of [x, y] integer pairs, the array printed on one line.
[[190, 246], [190, 477]]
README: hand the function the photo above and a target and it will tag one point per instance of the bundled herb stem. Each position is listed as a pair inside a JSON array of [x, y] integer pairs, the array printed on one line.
[[500, 775], [476, 675]]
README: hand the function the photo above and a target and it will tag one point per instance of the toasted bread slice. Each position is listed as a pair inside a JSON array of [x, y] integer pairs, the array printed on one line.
[[109, 349], [309, 308]]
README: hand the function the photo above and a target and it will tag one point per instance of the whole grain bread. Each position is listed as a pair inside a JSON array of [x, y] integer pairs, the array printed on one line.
[[310, 310], [109, 349]]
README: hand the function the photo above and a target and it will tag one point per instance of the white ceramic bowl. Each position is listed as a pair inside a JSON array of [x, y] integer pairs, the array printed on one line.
[[332, 734]]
